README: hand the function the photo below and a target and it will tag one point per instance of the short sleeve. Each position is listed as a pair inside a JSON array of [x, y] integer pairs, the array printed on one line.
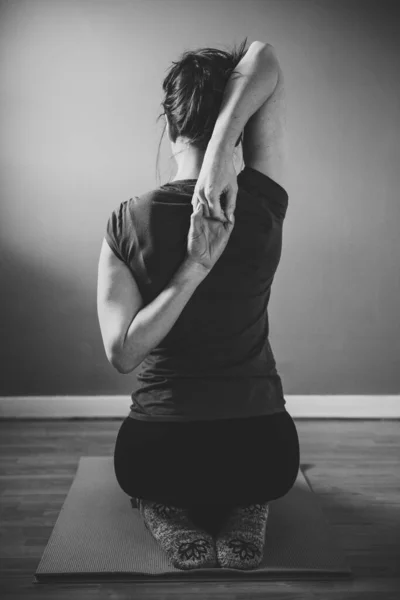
[[118, 232], [258, 184]]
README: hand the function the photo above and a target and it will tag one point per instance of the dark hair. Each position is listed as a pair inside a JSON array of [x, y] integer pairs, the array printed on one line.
[[194, 88]]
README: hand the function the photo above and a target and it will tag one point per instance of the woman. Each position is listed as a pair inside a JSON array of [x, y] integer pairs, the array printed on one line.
[[184, 280]]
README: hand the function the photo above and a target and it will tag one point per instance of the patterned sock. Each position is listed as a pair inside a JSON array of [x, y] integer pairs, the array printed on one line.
[[186, 545], [240, 543]]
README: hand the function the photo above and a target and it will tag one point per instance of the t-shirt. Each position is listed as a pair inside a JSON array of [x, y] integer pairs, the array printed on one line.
[[216, 362]]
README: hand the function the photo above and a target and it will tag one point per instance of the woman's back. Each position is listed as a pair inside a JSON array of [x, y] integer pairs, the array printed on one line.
[[216, 361]]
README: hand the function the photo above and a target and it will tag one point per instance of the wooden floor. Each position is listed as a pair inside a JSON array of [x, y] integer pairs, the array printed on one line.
[[353, 466]]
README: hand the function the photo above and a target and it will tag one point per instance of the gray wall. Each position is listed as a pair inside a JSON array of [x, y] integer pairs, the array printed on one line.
[[80, 87]]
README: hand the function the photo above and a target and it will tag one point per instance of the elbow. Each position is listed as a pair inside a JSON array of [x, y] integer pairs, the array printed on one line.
[[270, 64], [121, 368], [262, 46], [267, 53], [119, 363]]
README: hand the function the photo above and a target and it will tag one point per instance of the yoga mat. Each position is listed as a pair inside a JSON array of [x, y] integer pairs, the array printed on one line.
[[100, 536]]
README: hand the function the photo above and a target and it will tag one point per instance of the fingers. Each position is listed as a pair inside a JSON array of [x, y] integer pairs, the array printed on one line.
[[212, 204], [231, 195], [198, 199], [215, 206], [197, 224], [197, 214], [231, 221], [205, 199], [198, 210]]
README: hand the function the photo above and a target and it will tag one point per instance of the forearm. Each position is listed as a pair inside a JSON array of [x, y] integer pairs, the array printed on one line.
[[153, 322], [244, 94]]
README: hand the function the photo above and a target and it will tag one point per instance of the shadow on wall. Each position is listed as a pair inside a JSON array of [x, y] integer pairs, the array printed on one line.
[[50, 337]]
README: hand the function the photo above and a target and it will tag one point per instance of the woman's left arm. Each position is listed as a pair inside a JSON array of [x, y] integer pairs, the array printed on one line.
[[130, 330]]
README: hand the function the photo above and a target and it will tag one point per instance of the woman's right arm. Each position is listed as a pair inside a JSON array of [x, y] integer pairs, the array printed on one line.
[[244, 95]]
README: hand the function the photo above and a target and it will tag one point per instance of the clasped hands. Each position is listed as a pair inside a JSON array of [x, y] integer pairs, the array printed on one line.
[[214, 203]]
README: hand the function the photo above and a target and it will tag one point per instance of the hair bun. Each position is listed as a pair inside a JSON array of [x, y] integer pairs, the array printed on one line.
[[193, 61]]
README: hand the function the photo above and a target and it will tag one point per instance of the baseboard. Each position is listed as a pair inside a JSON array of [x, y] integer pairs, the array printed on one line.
[[301, 407]]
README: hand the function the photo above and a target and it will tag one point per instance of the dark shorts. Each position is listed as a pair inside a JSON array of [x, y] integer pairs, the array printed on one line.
[[221, 462]]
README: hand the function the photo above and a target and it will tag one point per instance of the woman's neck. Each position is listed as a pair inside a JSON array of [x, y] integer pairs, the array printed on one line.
[[188, 159]]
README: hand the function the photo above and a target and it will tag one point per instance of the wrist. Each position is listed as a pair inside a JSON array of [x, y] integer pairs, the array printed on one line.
[[194, 270]]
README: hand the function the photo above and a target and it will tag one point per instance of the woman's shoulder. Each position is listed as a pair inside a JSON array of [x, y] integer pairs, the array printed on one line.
[[267, 190]]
